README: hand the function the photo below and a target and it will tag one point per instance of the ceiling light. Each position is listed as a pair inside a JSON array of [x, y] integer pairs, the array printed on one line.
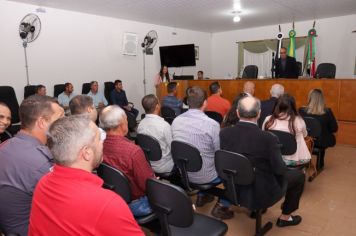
[[236, 19]]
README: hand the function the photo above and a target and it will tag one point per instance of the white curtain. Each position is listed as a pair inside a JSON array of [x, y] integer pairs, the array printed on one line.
[[264, 61]]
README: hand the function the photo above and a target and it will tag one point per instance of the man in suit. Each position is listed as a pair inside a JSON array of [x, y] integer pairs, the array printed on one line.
[[267, 106], [286, 66], [273, 180]]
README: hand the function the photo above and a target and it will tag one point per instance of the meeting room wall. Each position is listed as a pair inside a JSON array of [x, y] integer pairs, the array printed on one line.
[[78, 48], [335, 43]]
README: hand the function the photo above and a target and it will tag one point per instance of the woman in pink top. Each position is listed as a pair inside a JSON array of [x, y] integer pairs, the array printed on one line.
[[162, 76], [286, 118]]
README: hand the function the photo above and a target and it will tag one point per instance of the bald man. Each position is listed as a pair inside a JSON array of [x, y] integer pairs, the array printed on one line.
[[249, 88], [272, 177]]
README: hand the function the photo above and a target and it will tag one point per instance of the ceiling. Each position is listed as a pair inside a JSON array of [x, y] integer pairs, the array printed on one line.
[[206, 15]]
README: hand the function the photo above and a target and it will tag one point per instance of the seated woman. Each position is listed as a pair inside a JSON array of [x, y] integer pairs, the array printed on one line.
[[286, 118], [231, 118], [317, 109]]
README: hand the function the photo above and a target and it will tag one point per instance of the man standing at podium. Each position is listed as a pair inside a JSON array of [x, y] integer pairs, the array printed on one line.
[[286, 66]]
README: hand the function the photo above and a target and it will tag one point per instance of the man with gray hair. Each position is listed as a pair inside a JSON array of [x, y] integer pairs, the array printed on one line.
[[122, 154], [24, 159], [267, 106], [70, 200], [272, 177]]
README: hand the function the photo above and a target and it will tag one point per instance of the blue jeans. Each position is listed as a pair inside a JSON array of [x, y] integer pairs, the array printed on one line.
[[140, 207], [223, 201]]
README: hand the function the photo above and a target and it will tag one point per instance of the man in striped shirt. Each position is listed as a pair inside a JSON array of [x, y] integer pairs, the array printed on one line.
[[196, 128]]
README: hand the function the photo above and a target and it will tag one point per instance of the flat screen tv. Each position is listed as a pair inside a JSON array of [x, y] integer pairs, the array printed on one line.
[[177, 55]]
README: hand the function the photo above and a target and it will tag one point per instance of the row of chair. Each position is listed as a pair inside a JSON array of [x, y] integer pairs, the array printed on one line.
[[324, 70]]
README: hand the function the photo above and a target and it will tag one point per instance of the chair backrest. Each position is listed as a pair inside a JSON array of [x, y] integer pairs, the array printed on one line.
[[215, 116], [108, 87], [287, 141], [29, 90], [250, 71], [171, 201], [85, 88], [313, 126], [187, 158], [58, 89], [168, 114], [150, 146], [8, 96], [116, 180], [235, 169], [325, 70], [300, 68]]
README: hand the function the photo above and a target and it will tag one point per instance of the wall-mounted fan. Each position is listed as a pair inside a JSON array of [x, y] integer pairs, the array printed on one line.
[[148, 43], [29, 29]]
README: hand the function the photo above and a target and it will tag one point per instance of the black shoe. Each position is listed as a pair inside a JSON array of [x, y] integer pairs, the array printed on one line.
[[295, 221], [202, 200], [222, 212], [253, 214]]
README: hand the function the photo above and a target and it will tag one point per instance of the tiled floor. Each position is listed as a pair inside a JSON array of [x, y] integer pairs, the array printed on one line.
[[328, 204]]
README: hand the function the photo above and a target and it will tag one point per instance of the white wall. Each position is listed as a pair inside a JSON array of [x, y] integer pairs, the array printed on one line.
[[78, 48], [334, 44]]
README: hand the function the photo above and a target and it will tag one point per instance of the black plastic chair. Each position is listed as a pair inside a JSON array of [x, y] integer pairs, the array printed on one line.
[[85, 88], [326, 70], [177, 217], [187, 158], [237, 170], [116, 181], [287, 142], [108, 87], [250, 72], [29, 90], [152, 150], [58, 89], [314, 130], [168, 114], [215, 116]]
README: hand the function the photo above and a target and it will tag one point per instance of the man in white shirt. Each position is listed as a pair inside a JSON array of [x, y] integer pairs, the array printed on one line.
[[155, 126], [65, 97], [98, 98]]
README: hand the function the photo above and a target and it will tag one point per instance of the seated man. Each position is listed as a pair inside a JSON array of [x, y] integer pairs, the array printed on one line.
[[83, 104], [98, 98], [216, 102], [5, 119], [197, 129], [24, 159], [124, 155], [80, 206], [200, 75], [267, 106], [118, 97], [41, 90], [171, 99], [249, 88], [271, 173], [155, 126], [65, 97]]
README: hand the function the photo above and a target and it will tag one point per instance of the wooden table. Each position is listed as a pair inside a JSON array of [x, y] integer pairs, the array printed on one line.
[[340, 96]]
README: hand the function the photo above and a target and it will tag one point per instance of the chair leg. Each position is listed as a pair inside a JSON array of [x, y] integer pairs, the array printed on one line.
[[260, 231]]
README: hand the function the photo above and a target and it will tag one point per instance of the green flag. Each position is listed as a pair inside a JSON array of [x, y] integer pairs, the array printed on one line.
[[291, 47]]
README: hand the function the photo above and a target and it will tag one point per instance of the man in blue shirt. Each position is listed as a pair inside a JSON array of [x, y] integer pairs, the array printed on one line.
[[24, 159], [171, 99], [98, 98], [118, 97]]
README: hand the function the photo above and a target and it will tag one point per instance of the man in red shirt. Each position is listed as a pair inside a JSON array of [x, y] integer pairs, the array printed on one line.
[[216, 102], [70, 200], [121, 153]]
